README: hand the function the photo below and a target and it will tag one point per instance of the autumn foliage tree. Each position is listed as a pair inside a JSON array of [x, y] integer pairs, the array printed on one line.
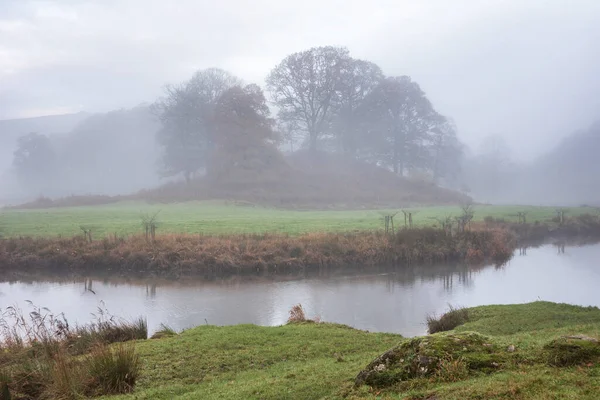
[[187, 116], [244, 136]]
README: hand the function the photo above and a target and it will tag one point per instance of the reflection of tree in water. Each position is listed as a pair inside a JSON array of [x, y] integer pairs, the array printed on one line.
[[151, 290], [88, 286], [449, 275], [464, 277]]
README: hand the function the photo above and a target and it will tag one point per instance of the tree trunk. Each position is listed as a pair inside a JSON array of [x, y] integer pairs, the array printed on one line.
[[313, 142], [396, 155]]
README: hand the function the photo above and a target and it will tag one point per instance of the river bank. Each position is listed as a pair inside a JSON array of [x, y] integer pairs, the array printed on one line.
[[528, 351], [321, 360], [183, 255], [189, 255]]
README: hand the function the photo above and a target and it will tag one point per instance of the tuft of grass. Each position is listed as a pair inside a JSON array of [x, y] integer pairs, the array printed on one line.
[[452, 370], [297, 314], [454, 317], [566, 352], [164, 331], [113, 370], [66, 377]]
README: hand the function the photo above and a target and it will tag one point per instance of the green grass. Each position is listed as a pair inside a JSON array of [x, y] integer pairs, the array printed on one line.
[[315, 361], [220, 218]]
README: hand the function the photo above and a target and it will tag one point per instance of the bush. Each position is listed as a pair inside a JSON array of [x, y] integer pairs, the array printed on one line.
[[451, 319]]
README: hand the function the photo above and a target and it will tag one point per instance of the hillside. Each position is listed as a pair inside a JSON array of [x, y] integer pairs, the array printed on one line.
[[311, 181]]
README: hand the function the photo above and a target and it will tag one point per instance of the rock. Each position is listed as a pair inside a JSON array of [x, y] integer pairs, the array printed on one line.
[[380, 368], [421, 357], [581, 337]]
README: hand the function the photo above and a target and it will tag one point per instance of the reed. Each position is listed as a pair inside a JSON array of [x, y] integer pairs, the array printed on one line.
[[184, 254]]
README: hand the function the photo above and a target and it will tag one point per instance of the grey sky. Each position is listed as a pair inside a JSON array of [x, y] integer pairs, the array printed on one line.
[[525, 69]]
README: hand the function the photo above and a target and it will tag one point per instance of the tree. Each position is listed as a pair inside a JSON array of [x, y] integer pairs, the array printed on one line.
[[446, 151], [358, 80], [288, 132], [400, 118], [242, 117], [305, 86], [35, 161], [186, 114], [244, 135]]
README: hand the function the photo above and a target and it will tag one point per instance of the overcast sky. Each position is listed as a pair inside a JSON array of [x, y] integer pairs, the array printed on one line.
[[526, 69]]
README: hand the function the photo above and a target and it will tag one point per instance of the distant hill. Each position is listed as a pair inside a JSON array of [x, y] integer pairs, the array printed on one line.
[[97, 154], [12, 129], [569, 174]]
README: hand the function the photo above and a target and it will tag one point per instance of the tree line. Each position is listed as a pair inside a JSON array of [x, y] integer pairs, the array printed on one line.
[[325, 100]]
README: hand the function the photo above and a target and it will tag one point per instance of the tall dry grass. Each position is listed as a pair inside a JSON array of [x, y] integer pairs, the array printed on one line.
[[43, 357], [181, 255]]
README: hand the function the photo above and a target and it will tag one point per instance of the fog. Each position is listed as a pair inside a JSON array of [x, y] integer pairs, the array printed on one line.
[[517, 79]]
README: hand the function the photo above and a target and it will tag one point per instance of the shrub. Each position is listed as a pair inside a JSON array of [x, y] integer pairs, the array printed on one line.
[[449, 320]]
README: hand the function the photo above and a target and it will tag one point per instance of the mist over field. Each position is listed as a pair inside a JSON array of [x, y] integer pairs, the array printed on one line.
[[351, 103]]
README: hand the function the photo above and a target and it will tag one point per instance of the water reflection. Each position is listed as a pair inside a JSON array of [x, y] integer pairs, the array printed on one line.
[[383, 300]]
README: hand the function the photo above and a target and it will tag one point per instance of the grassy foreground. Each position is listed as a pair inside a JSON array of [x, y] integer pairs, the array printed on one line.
[[125, 218], [321, 360]]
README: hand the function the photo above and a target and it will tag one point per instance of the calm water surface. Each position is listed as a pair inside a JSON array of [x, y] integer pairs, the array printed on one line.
[[389, 302]]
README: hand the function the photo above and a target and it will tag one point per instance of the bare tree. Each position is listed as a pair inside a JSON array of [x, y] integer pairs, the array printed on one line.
[[401, 118], [446, 150], [305, 86], [358, 80]]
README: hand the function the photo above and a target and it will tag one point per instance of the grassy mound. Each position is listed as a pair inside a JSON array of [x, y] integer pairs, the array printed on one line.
[[261, 175], [430, 356]]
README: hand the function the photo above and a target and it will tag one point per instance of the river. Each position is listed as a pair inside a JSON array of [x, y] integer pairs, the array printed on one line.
[[391, 301]]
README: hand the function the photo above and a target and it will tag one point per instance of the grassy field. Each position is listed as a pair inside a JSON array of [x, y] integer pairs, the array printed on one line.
[[317, 361], [221, 218]]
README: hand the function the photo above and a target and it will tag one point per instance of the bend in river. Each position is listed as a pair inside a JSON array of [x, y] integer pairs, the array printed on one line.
[[391, 301]]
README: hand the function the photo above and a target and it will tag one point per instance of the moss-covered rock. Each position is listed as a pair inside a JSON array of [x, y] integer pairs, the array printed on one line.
[[422, 357], [572, 350]]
